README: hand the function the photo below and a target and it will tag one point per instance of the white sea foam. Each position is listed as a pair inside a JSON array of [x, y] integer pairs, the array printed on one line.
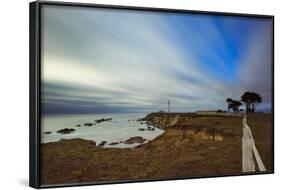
[[120, 128]]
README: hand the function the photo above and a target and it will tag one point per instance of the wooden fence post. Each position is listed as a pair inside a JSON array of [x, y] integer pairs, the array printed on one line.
[[248, 164], [249, 150]]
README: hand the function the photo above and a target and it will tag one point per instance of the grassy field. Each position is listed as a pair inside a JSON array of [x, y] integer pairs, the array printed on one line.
[[202, 145]]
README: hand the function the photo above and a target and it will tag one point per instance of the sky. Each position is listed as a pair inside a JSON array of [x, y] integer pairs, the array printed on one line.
[[98, 60]]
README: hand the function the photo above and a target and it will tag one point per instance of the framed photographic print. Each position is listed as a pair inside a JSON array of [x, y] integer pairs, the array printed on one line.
[[132, 94]]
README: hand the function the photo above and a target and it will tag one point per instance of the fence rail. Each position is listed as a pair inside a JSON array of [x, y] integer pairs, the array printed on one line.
[[249, 150]]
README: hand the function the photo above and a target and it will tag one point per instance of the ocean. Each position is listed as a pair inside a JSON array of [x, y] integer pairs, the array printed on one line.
[[120, 128]]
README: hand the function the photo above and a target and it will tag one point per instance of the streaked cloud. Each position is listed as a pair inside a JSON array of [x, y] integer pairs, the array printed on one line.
[[97, 60]]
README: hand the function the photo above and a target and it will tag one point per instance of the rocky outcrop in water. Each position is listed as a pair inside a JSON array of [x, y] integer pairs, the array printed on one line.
[[102, 143], [103, 120], [89, 124], [149, 128], [66, 131], [136, 139], [113, 143]]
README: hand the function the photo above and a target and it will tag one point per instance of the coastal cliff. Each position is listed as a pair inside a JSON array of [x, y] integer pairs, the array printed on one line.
[[165, 120], [213, 127]]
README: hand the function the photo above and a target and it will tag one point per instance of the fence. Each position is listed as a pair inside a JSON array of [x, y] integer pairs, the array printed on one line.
[[249, 150]]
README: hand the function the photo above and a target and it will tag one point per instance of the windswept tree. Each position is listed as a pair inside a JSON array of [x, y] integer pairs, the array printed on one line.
[[229, 101], [233, 104], [251, 100]]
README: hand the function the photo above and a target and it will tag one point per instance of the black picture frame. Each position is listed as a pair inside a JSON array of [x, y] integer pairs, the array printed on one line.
[[35, 86]]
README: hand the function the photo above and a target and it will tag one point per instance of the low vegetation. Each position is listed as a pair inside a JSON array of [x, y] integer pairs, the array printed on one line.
[[206, 145]]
